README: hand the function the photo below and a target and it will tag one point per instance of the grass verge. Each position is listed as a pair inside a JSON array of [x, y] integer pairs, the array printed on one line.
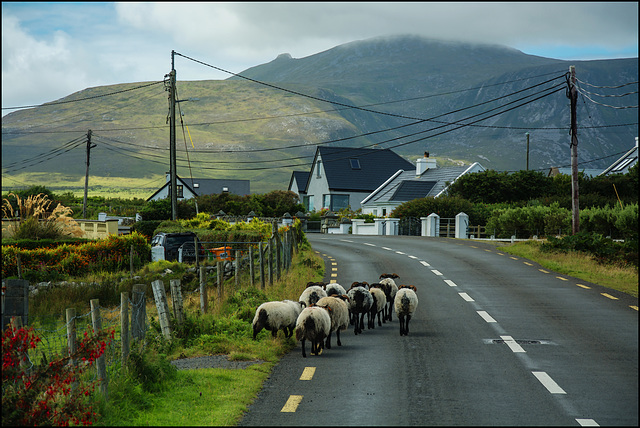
[[579, 265]]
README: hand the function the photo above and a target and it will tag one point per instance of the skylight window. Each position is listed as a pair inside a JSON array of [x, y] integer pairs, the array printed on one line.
[[355, 163]]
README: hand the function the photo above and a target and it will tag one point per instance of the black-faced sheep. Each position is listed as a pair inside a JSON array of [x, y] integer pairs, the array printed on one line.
[[274, 316], [405, 303], [390, 289], [360, 301], [339, 314], [312, 293], [314, 324], [379, 304], [334, 288]]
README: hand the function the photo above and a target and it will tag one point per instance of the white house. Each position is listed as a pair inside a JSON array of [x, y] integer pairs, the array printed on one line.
[[423, 181], [341, 177]]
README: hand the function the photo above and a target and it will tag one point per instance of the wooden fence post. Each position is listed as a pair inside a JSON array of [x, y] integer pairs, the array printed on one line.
[[203, 290], [236, 270], [271, 240], [124, 325], [278, 245], [252, 273], [176, 299], [220, 279], [261, 255], [72, 343], [131, 262], [101, 364], [196, 252], [16, 323], [160, 298], [138, 312]]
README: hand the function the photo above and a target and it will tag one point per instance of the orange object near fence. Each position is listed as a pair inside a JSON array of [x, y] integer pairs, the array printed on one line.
[[220, 253]]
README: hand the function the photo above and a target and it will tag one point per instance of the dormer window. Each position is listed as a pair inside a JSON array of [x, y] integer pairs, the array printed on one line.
[[355, 163]]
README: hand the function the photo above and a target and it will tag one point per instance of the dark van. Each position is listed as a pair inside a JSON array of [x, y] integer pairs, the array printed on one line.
[[171, 243]]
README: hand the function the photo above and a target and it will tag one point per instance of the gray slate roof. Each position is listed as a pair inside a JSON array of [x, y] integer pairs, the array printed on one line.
[[622, 165], [301, 178], [375, 166], [407, 187], [214, 186]]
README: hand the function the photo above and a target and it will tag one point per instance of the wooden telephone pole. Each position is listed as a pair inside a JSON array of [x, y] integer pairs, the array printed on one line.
[[572, 94], [173, 189], [86, 176]]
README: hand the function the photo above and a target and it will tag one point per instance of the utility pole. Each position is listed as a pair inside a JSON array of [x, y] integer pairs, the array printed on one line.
[[527, 134], [86, 175], [172, 140], [572, 94]]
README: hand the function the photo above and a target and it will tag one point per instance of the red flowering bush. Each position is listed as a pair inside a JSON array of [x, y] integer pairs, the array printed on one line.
[[53, 393]]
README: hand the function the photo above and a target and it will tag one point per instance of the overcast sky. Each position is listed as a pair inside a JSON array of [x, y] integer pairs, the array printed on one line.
[[50, 50]]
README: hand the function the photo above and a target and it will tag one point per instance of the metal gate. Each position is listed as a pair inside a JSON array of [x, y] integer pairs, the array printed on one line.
[[411, 226]]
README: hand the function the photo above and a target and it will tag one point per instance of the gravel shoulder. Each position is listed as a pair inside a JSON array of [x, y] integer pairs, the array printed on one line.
[[211, 361]]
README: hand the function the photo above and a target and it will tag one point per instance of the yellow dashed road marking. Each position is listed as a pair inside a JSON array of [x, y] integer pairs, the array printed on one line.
[[334, 275], [564, 279], [543, 271], [307, 373], [528, 264], [609, 296], [292, 403], [634, 307], [514, 258], [583, 286]]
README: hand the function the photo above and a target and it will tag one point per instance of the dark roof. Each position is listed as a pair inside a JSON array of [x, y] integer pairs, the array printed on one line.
[[301, 178], [622, 165], [214, 186], [375, 167], [210, 186], [407, 189]]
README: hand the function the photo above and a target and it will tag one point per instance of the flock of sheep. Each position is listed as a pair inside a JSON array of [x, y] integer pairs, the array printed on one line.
[[324, 308]]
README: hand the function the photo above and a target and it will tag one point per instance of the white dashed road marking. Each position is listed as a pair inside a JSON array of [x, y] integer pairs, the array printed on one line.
[[548, 383]]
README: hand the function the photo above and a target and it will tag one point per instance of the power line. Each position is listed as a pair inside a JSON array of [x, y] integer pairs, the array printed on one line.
[[81, 99]]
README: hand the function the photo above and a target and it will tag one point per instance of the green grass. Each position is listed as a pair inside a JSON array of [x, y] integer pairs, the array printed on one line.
[[621, 278]]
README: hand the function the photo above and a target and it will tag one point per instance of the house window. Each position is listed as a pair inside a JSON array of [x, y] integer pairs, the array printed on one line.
[[180, 191], [355, 163], [308, 202], [318, 165], [335, 202]]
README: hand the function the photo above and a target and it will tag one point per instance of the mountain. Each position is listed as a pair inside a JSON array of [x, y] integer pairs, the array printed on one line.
[[241, 128]]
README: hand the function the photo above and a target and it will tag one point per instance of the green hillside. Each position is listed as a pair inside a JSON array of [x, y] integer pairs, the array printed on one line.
[[241, 129]]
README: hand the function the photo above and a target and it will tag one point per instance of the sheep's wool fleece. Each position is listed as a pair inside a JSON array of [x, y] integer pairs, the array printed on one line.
[[280, 314], [339, 312], [406, 301], [313, 323]]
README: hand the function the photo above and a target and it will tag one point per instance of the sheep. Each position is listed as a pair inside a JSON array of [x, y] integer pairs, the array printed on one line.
[[334, 288], [274, 316], [339, 315], [313, 323], [405, 303], [312, 293], [390, 289], [360, 301], [379, 304]]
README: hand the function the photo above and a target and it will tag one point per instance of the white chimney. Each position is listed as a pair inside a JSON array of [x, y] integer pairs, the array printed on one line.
[[424, 163]]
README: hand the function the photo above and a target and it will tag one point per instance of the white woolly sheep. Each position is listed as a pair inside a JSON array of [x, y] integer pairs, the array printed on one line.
[[339, 315], [314, 324], [274, 316], [312, 293], [334, 288], [379, 304], [360, 301], [405, 303], [390, 289]]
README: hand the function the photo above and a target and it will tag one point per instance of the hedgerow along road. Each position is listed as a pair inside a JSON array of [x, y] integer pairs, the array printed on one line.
[[496, 340]]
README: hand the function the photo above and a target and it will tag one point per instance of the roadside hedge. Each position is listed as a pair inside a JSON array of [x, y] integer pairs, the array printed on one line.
[[47, 264]]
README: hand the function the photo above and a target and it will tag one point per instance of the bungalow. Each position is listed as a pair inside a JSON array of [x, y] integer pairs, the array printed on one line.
[[341, 177], [622, 165], [189, 188], [423, 181]]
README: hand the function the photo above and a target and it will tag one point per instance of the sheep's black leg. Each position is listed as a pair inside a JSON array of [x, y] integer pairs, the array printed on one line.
[[338, 337], [274, 332], [329, 341], [304, 354]]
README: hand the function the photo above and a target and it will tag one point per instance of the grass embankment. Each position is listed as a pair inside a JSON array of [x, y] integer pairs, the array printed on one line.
[[579, 265], [150, 391]]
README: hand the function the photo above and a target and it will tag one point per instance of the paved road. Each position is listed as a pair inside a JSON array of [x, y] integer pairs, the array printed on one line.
[[496, 340]]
